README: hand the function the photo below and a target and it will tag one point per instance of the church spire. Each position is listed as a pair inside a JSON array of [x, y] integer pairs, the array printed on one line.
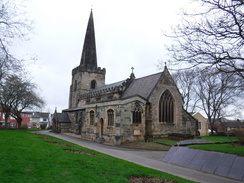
[[89, 55]]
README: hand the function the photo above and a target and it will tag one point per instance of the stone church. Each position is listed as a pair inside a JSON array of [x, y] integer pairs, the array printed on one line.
[[128, 110]]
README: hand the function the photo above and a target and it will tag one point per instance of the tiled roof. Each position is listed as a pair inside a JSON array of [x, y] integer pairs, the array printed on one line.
[[40, 115], [234, 124], [89, 54], [142, 86], [108, 86], [63, 117], [74, 109]]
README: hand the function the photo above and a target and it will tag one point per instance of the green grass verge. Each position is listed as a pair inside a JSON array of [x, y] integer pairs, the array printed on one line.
[[219, 138], [225, 148], [31, 158], [166, 141]]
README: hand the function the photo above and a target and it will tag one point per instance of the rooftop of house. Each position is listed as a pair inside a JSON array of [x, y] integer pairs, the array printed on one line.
[[234, 124], [40, 115]]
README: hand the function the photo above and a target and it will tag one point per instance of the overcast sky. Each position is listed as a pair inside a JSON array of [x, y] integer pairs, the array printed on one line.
[[128, 33]]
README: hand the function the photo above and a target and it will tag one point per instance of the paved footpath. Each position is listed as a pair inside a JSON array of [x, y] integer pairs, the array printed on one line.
[[151, 159]]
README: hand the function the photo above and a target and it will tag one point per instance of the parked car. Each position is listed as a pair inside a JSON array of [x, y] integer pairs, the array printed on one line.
[[209, 131]]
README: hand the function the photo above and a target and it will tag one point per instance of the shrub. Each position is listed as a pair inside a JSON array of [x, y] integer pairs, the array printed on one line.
[[240, 135], [24, 126], [180, 136], [43, 126], [224, 134]]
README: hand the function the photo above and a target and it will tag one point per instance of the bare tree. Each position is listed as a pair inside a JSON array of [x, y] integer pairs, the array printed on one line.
[[186, 81], [213, 37], [216, 93], [13, 26], [16, 95]]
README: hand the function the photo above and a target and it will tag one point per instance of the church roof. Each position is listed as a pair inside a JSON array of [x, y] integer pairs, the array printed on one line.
[[109, 86], [74, 109], [142, 86], [63, 117], [89, 55]]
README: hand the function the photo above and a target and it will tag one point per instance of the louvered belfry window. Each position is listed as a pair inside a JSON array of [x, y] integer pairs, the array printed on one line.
[[166, 108], [93, 84]]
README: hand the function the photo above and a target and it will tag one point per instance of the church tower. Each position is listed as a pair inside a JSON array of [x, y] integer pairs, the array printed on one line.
[[87, 75]]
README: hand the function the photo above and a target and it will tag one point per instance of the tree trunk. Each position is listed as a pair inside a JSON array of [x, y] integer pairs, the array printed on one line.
[[19, 120], [227, 134], [6, 120]]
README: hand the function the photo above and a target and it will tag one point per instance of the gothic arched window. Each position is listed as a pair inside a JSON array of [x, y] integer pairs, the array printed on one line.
[[75, 86], [91, 117], [93, 84], [136, 113], [166, 108], [110, 117]]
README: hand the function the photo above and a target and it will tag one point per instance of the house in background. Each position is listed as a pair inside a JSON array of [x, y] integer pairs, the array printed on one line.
[[39, 118], [12, 123], [221, 125], [225, 125], [202, 124]]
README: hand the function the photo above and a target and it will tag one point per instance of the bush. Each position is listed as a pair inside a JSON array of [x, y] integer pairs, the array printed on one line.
[[240, 135], [24, 126], [180, 136], [43, 126], [224, 134]]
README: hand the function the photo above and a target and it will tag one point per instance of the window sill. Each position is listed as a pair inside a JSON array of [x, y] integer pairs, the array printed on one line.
[[165, 123]]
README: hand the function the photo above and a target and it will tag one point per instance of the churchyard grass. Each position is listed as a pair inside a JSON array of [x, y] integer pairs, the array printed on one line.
[[225, 148], [33, 158], [166, 141], [219, 138]]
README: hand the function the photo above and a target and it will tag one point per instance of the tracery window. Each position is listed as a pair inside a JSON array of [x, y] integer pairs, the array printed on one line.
[[91, 117], [166, 108], [110, 113], [93, 84], [136, 113]]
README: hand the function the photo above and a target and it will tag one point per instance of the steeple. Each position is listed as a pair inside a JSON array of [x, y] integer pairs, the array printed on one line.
[[89, 55]]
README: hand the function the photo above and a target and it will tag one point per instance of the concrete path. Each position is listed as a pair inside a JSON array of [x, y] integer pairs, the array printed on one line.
[[151, 159]]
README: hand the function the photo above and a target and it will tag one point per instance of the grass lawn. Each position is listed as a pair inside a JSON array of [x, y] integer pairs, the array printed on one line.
[[35, 158], [226, 148], [219, 138], [166, 141]]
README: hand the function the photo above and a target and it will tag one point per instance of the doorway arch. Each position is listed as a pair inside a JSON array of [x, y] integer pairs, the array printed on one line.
[[101, 127]]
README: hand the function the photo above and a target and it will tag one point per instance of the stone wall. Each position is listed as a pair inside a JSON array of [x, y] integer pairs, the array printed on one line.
[[123, 128], [160, 127], [81, 82], [64, 127]]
